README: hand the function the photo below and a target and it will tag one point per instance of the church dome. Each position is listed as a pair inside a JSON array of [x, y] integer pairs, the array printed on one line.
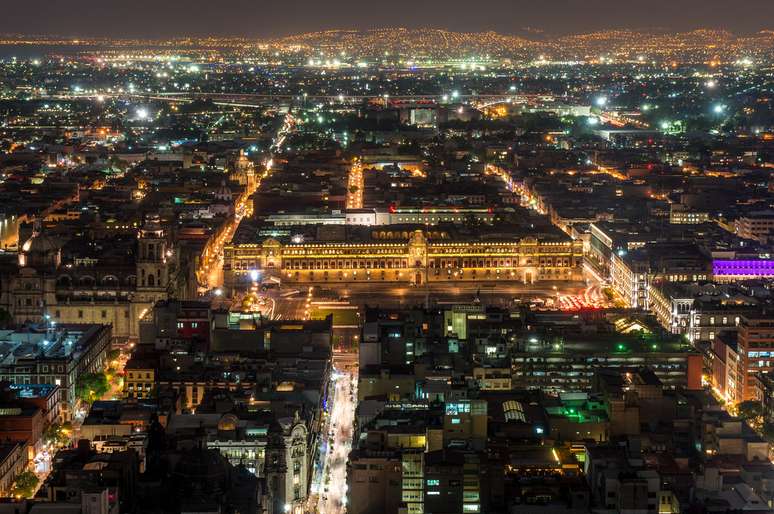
[[40, 250], [228, 423], [41, 243]]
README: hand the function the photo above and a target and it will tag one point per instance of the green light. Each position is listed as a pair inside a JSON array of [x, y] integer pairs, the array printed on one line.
[[621, 347], [655, 347]]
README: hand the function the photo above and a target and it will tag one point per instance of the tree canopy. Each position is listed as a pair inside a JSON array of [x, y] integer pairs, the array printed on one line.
[[91, 386], [25, 484]]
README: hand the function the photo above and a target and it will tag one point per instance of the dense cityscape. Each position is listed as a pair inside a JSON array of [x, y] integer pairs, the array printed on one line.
[[392, 270]]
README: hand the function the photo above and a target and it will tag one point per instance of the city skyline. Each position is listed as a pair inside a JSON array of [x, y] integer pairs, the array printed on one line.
[[250, 264]]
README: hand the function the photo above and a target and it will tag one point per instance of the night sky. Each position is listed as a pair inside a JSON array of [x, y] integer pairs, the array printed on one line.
[[263, 18]]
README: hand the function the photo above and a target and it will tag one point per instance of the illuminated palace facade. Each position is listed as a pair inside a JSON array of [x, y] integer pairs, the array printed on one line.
[[409, 256]]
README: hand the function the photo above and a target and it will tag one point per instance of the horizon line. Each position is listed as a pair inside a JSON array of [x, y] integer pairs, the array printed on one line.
[[523, 33]]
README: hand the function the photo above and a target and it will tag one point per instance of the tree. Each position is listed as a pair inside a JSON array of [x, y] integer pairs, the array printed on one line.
[[58, 435], [752, 412], [25, 485], [91, 386], [768, 432]]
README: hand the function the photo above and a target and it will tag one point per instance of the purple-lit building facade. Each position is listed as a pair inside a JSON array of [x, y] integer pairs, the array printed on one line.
[[735, 269]]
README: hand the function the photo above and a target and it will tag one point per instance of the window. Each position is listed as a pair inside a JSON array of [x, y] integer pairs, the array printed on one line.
[[80, 314], [104, 314], [455, 421], [194, 325], [433, 482]]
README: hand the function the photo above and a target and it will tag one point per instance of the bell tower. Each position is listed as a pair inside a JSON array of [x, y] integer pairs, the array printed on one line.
[[152, 268], [276, 470], [417, 247]]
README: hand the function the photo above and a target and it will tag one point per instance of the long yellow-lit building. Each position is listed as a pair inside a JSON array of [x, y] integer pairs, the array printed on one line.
[[411, 255]]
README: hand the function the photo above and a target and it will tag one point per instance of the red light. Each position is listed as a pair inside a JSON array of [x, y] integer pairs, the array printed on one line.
[[393, 209]]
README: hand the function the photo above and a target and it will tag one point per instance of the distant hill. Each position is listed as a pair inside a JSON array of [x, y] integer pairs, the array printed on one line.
[[420, 42], [432, 43], [613, 43]]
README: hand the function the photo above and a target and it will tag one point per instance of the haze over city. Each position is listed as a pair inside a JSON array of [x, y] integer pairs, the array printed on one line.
[[260, 18]]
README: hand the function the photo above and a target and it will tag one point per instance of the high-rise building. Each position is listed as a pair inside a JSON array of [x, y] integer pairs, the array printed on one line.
[[756, 347]]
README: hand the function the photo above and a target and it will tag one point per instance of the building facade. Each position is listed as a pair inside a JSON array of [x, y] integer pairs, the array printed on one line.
[[756, 347], [404, 256], [758, 226], [43, 289], [13, 461], [56, 358]]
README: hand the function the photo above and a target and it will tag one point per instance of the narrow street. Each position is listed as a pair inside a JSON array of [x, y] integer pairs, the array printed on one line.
[[331, 484], [210, 272]]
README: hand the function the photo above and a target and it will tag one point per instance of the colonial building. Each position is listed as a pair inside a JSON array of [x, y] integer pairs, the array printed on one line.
[[109, 289], [13, 461], [278, 449], [403, 254]]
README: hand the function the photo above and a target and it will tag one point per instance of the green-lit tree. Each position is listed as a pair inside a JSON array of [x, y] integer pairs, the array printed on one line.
[[25, 484], [91, 386], [58, 435]]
